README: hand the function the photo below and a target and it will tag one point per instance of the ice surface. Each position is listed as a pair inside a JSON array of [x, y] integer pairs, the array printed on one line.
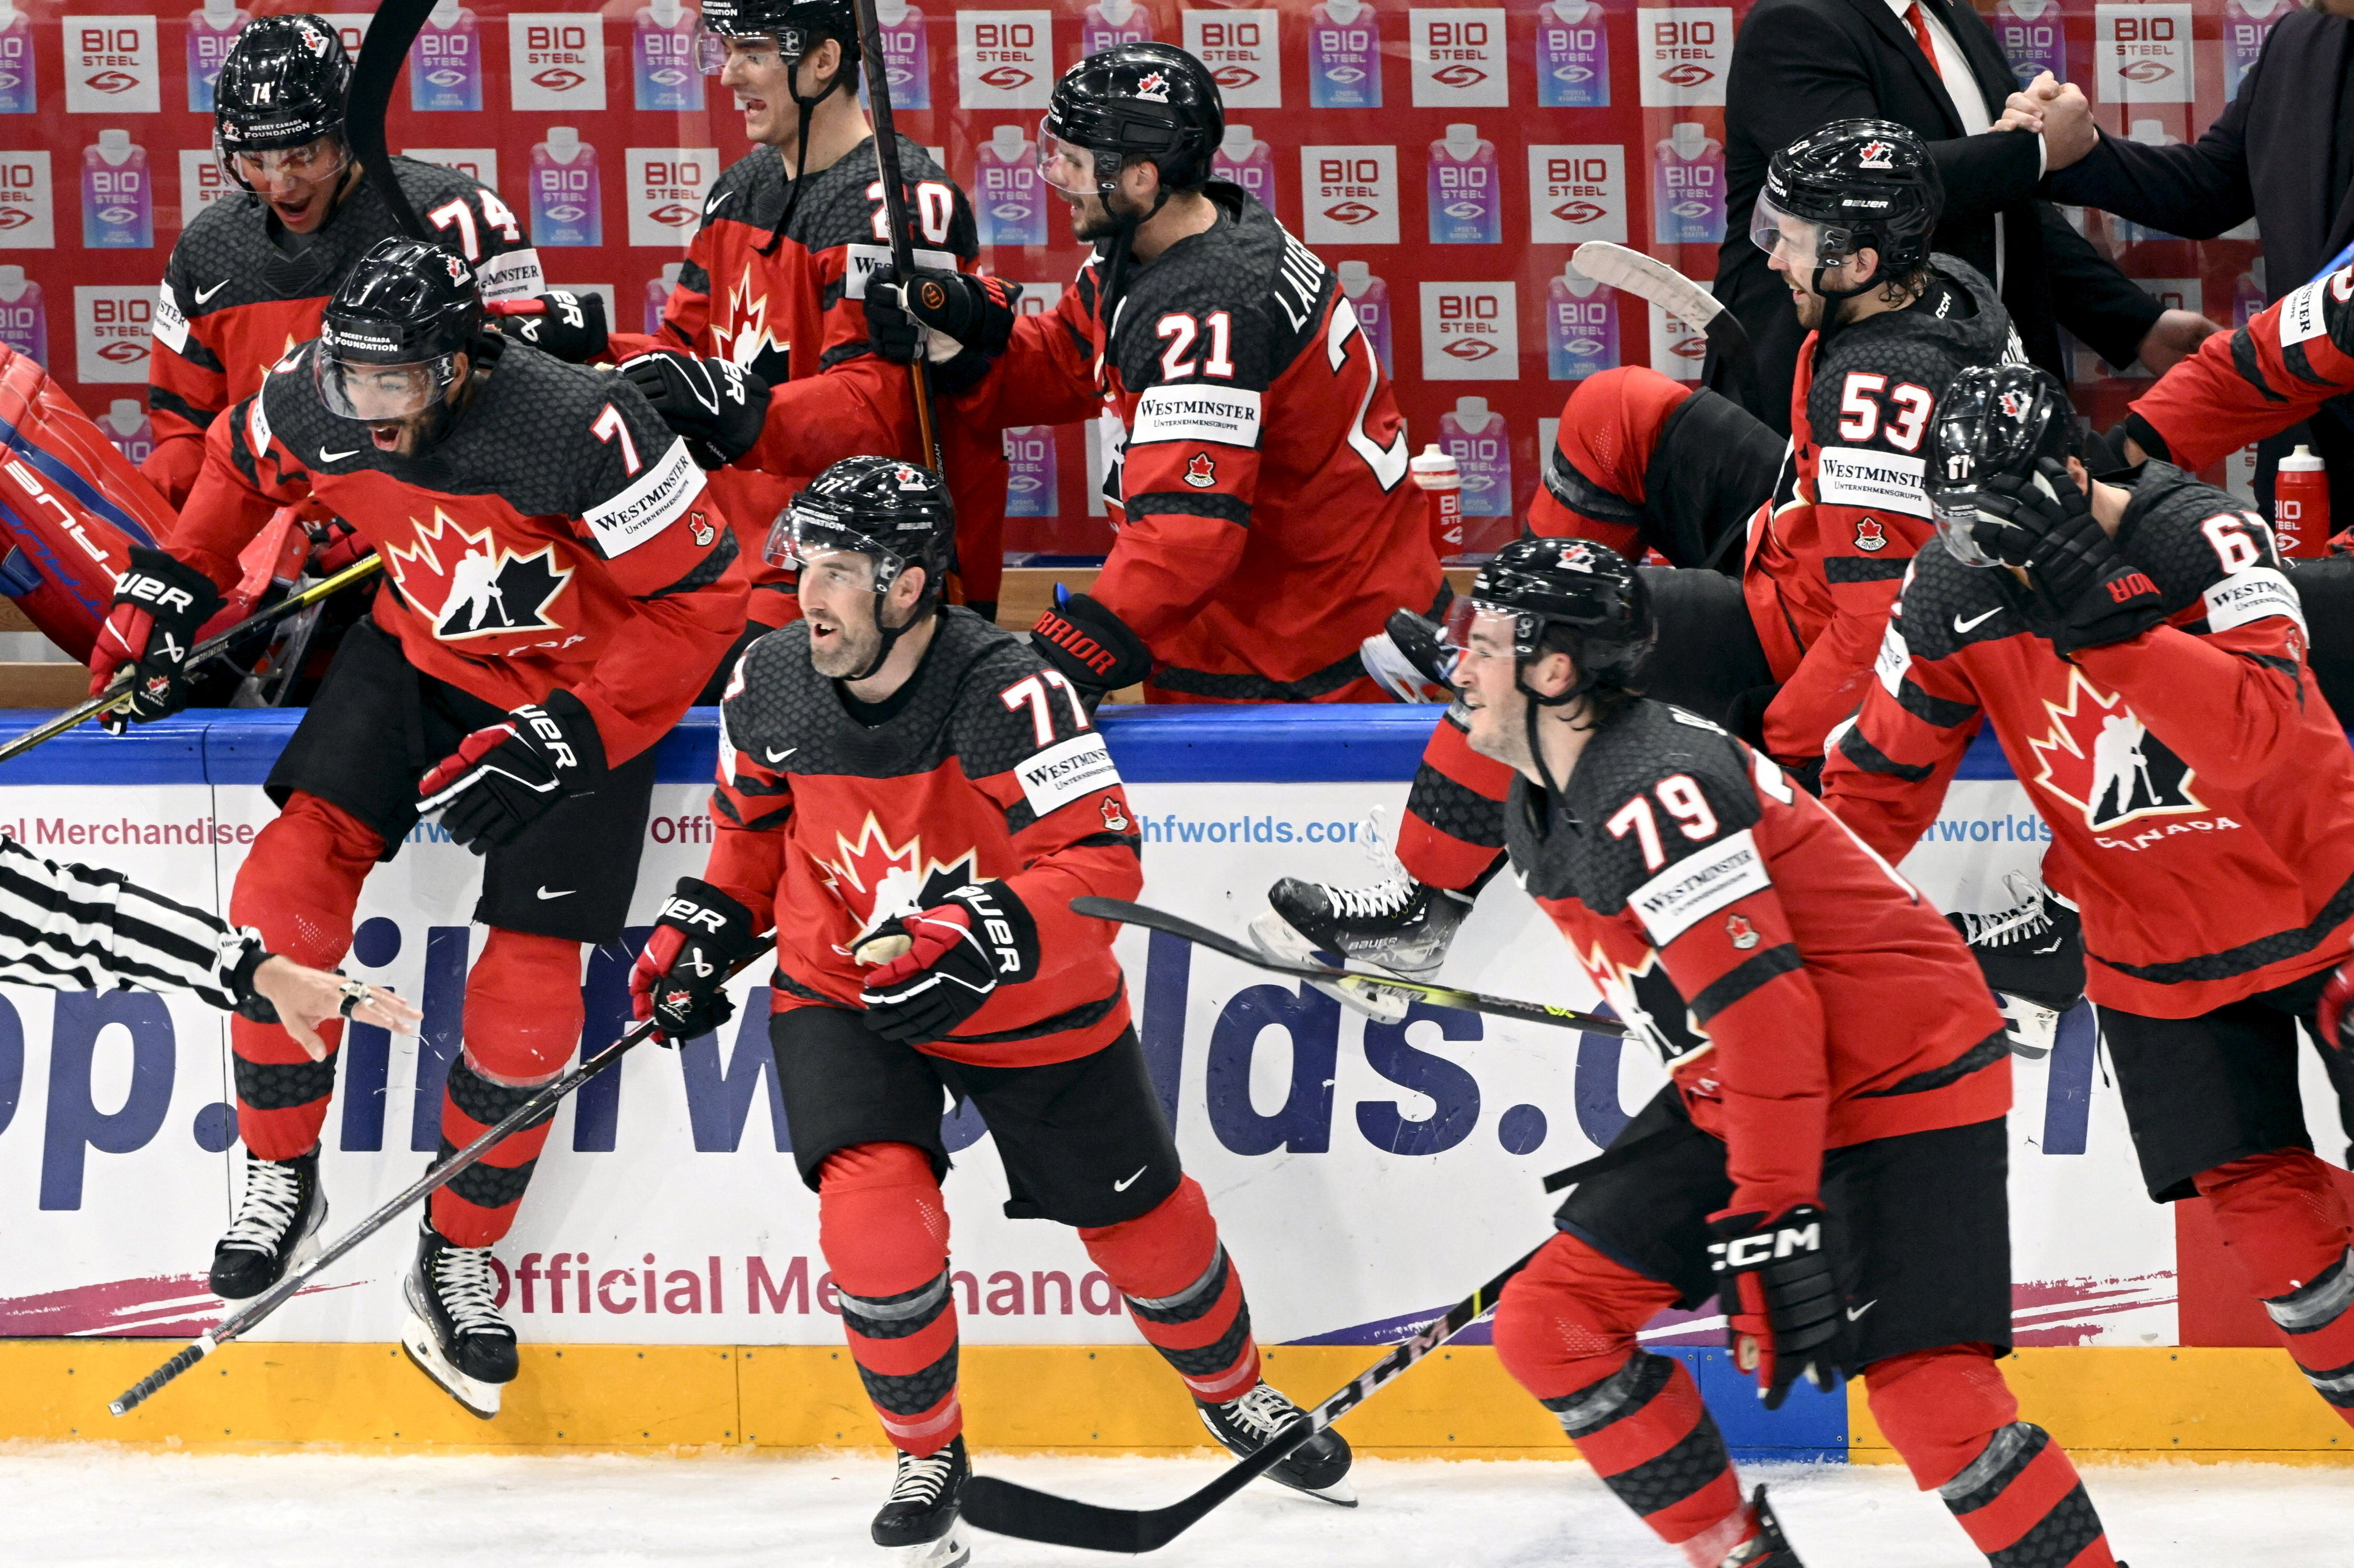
[[98, 1505]]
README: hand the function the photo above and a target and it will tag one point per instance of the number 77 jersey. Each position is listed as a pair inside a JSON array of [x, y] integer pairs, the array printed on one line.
[[1253, 460]]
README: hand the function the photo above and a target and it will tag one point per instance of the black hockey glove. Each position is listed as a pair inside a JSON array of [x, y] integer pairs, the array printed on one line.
[[568, 325], [1780, 1296], [969, 320], [2081, 592], [718, 407], [1092, 648], [1410, 660], [504, 777], [958, 952], [159, 604], [680, 977]]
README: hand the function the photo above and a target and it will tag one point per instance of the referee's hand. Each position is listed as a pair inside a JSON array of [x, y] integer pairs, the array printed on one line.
[[306, 998]]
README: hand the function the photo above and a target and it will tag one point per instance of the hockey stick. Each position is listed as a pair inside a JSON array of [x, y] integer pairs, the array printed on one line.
[[1010, 1509], [1153, 919], [1648, 278], [235, 1324], [291, 604], [382, 53], [895, 207]]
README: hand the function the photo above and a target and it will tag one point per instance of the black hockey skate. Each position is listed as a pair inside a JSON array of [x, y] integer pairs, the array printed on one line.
[[276, 1227], [922, 1522], [1398, 925], [2032, 955], [1320, 1467], [454, 1333], [1768, 1548]]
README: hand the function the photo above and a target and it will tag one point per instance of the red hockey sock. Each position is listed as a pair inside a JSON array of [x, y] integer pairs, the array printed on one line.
[[1566, 1330], [1453, 833], [298, 887], [885, 1234], [523, 1020], [1610, 428], [2284, 1219], [1182, 1291], [2014, 1490]]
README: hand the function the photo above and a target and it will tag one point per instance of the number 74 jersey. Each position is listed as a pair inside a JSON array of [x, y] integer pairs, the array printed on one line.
[[1254, 457]]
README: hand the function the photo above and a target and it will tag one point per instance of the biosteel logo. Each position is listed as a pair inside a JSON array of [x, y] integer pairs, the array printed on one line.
[[1471, 350], [111, 81], [1580, 212], [1688, 74], [559, 79], [1006, 78], [1458, 76], [1232, 77], [2146, 72], [1351, 212]]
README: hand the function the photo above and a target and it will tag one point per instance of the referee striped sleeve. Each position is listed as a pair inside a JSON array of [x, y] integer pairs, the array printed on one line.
[[69, 928]]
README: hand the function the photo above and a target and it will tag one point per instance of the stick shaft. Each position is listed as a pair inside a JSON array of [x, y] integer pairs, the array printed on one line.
[[394, 27], [895, 204]]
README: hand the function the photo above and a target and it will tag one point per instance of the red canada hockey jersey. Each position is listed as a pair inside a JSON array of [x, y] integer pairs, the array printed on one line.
[[1253, 453], [1826, 557], [2243, 386], [987, 771], [236, 298], [1802, 994], [2200, 792], [557, 536], [792, 310]]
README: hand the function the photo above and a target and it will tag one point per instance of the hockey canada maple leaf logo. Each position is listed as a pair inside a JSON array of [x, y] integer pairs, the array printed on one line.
[[745, 341], [1870, 534], [469, 587], [877, 880], [1200, 474], [2102, 759], [1741, 932], [1648, 1002], [1153, 86]]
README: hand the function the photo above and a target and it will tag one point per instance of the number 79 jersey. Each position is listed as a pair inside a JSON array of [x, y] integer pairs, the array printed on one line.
[[1802, 994], [1254, 458]]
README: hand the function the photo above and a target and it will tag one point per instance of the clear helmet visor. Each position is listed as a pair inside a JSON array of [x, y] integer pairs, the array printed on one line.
[[816, 545], [1067, 166], [378, 394], [1476, 630], [760, 51], [1956, 512], [1798, 241], [311, 164]]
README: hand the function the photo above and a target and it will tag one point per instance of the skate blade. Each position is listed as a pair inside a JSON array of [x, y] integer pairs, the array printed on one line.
[[2029, 1031], [1273, 935], [953, 1549], [480, 1399], [312, 1243]]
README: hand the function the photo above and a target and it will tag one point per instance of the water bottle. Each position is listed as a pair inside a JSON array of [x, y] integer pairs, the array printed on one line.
[[2301, 504], [1440, 478]]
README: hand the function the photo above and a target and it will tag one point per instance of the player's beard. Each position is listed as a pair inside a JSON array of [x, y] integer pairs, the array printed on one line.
[[1809, 308], [846, 648], [1093, 219]]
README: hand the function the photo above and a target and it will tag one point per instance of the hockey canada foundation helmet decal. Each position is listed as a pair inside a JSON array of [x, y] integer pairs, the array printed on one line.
[[1851, 186], [1539, 587], [389, 338], [282, 86], [1994, 422], [1141, 100]]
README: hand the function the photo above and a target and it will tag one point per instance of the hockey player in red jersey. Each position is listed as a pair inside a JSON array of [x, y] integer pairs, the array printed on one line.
[[1829, 1158], [775, 283], [1784, 653], [1265, 527], [248, 277], [912, 798], [2140, 655], [559, 585]]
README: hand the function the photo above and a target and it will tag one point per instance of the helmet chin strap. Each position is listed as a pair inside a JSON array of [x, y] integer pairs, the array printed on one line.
[[924, 611], [1538, 701], [808, 106], [1123, 238]]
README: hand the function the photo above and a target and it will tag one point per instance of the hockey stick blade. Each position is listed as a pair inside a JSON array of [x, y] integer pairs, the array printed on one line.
[[1126, 913], [1028, 1514], [383, 52], [542, 1101], [1648, 278]]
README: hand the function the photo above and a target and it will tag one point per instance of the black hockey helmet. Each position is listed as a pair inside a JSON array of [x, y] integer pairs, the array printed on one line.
[[1854, 185], [797, 27], [1995, 421], [1147, 100], [895, 514], [1569, 596], [282, 86], [389, 338]]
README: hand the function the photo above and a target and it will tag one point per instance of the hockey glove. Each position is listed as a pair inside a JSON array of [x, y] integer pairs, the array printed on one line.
[[504, 777], [159, 604], [959, 952], [2081, 592], [571, 326], [1092, 648], [2334, 1022], [680, 976], [718, 407], [961, 321], [1409, 659], [1780, 1298]]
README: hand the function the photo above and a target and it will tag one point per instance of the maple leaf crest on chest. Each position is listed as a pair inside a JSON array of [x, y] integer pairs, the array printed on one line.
[[877, 880], [743, 334], [2100, 757], [469, 585]]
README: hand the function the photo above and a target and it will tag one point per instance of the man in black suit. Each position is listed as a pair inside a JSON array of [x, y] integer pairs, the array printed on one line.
[[1936, 68], [2282, 152]]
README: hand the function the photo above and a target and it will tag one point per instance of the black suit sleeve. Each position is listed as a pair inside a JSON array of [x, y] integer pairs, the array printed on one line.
[[1806, 72], [2196, 189], [2107, 310]]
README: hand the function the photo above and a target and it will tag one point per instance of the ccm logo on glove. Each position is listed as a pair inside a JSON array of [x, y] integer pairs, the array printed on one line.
[[1755, 1251]]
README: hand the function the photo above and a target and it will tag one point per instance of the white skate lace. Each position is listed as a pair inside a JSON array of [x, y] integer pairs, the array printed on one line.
[[1380, 901], [2029, 918], [921, 1481], [1263, 1412], [273, 1196], [462, 1279]]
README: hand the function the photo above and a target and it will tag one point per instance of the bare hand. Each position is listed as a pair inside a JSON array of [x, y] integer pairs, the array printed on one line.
[[2024, 109], [2069, 133], [306, 998], [2175, 336]]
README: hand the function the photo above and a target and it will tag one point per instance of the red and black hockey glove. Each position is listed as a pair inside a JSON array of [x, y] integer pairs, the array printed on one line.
[[2082, 591], [959, 952], [959, 321], [159, 604], [681, 974], [1781, 1298], [715, 406], [506, 776], [1092, 648], [2334, 1019], [569, 325]]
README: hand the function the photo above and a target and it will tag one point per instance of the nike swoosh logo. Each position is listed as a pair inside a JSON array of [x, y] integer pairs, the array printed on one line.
[[566, 892], [1124, 1186], [780, 755], [717, 202], [326, 456], [205, 294], [1855, 1312], [1963, 626]]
